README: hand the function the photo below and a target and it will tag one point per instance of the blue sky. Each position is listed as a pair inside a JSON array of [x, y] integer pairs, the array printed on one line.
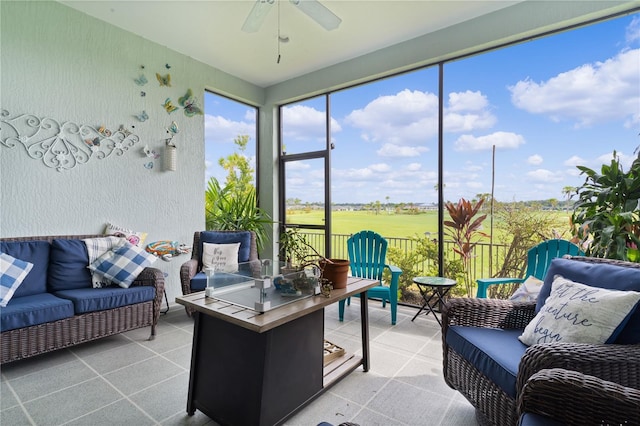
[[547, 106]]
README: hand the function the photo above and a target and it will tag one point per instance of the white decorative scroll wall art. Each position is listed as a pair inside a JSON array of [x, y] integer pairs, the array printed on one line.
[[65, 145]]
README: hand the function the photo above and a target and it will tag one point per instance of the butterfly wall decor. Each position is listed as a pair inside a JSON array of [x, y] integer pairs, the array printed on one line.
[[150, 153], [126, 132], [142, 117], [164, 80], [188, 102], [173, 129], [148, 165], [92, 142], [141, 81], [169, 106], [104, 131]]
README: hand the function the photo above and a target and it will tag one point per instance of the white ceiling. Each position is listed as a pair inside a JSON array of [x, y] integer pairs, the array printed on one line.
[[210, 31]]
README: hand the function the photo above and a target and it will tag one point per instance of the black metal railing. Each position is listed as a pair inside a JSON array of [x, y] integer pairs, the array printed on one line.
[[480, 265]]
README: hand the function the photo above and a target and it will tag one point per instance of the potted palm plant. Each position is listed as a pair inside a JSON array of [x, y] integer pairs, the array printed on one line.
[[232, 210]]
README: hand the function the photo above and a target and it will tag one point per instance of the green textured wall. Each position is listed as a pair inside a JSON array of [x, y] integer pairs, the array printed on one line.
[[59, 63]]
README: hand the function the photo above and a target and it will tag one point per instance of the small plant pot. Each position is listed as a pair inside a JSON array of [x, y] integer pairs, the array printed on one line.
[[335, 271]]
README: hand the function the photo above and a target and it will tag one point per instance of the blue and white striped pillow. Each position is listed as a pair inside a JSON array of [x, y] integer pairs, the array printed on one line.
[[122, 264], [12, 272]]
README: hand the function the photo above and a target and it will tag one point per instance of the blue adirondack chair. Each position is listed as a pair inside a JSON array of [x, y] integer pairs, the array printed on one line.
[[538, 261], [367, 253]]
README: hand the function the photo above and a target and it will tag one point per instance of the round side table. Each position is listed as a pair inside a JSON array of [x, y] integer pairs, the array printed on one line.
[[440, 286]]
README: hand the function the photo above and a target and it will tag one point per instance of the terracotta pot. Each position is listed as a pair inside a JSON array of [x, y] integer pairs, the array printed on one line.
[[336, 271]]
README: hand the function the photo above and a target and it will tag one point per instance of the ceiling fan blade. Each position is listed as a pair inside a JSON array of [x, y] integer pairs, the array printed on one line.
[[257, 16], [319, 13]]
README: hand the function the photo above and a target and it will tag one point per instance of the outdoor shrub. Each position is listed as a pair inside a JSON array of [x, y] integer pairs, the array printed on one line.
[[606, 215], [464, 228], [423, 261]]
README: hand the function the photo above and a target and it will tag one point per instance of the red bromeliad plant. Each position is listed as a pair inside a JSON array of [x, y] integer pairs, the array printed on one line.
[[464, 228]]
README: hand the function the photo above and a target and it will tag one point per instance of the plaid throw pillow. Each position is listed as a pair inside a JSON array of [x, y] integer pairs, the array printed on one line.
[[12, 272], [96, 247], [122, 264]]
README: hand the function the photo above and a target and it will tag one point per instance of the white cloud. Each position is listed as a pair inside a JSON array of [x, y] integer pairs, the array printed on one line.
[[589, 94], [633, 31], [467, 101], [413, 167], [410, 118], [250, 115], [391, 150], [303, 123], [545, 176], [467, 111], [297, 165], [407, 117], [222, 130], [535, 160], [505, 140], [574, 161], [380, 167], [625, 160]]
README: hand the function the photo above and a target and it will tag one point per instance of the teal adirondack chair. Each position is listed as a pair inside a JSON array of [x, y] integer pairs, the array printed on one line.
[[538, 261], [367, 253]]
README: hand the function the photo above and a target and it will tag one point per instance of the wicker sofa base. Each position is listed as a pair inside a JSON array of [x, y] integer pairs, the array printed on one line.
[[39, 339], [493, 405]]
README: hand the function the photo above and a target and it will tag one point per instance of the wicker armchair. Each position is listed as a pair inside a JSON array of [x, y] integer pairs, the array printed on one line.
[[192, 266], [573, 398], [612, 362]]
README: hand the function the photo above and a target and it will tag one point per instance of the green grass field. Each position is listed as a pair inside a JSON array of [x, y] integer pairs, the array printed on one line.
[[409, 225], [389, 225]]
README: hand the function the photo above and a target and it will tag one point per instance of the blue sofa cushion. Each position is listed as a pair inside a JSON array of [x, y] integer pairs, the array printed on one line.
[[531, 419], [35, 309], [35, 252], [242, 237], [68, 265], [602, 276], [98, 299], [496, 353]]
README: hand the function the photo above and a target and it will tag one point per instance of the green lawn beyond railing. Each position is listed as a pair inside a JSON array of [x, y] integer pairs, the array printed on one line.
[[480, 265]]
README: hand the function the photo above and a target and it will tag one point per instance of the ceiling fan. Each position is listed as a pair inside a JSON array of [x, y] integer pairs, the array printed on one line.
[[312, 8]]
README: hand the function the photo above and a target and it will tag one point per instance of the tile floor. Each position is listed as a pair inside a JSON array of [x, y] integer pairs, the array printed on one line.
[[128, 380]]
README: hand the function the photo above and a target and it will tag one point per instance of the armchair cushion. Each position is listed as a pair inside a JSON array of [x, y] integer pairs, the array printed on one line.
[[221, 257], [577, 313], [600, 275], [494, 352], [242, 237], [532, 419]]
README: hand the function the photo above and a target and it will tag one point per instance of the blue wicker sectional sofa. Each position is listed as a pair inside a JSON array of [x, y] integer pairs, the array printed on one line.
[[577, 323], [56, 305]]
